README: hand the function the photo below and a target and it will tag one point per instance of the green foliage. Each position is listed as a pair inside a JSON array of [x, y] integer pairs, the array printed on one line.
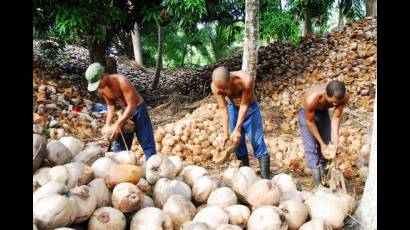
[[352, 9], [279, 26], [186, 12], [318, 9]]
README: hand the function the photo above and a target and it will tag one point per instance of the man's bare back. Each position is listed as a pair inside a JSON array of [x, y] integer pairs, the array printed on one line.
[[314, 98]]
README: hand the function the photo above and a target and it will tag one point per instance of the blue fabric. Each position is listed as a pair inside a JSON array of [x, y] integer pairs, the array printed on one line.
[[252, 127], [100, 108], [143, 131]]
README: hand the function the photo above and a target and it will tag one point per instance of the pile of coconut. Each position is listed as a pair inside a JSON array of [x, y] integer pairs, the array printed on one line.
[[81, 189]]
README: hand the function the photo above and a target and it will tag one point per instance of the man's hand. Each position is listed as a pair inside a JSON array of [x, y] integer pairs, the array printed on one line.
[[236, 137], [328, 151], [225, 138], [114, 131]]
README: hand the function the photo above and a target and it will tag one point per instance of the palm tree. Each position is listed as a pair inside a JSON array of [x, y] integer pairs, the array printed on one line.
[[351, 10]]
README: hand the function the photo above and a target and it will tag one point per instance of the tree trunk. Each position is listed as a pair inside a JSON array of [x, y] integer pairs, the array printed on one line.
[[280, 5], [371, 8], [367, 211], [97, 52], [184, 51], [127, 45], [308, 23], [159, 58], [135, 34], [340, 22], [251, 43]]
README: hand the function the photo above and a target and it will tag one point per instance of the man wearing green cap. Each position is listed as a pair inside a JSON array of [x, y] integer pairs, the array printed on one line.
[[116, 87]]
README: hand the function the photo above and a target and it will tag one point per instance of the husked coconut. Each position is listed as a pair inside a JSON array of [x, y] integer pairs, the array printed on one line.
[[228, 227], [294, 195], [120, 173], [123, 157], [263, 192], [40, 178], [56, 209], [65, 229], [126, 197], [85, 201], [48, 189], [243, 178], [238, 214], [285, 183], [191, 173], [306, 194], [164, 188], [73, 144], [295, 213], [194, 225], [39, 150], [228, 175], [35, 227], [57, 154], [151, 218], [159, 166], [212, 216], [89, 155], [101, 166], [148, 202], [107, 218], [144, 186], [328, 207], [315, 224], [177, 161], [179, 209], [266, 217], [222, 197], [203, 188], [71, 174], [348, 201], [101, 192]]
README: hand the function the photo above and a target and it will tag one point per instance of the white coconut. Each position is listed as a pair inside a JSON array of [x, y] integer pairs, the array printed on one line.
[[212, 216], [40, 178], [295, 213], [35, 227], [123, 157], [315, 224], [73, 144], [148, 202], [89, 155], [285, 183], [164, 188], [101, 166], [194, 225], [327, 207], [107, 218], [144, 186], [57, 154], [348, 201], [151, 218], [71, 174], [126, 197], [228, 227], [177, 161], [266, 217], [159, 166], [39, 150], [101, 192], [306, 194], [222, 197], [243, 178], [179, 209], [263, 192], [238, 214], [294, 195], [203, 188], [191, 173], [85, 201], [48, 189], [228, 175]]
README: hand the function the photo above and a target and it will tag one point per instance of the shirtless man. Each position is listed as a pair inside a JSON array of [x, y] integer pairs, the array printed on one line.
[[116, 87], [241, 112], [317, 128]]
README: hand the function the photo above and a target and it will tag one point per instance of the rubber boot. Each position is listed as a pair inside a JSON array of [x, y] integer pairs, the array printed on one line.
[[244, 160], [316, 177], [323, 171], [264, 164]]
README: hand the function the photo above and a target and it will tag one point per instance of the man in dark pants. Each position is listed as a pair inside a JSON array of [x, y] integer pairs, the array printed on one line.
[[317, 128], [241, 114], [116, 87]]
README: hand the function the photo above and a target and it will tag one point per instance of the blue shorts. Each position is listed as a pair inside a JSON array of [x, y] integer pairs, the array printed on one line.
[[253, 128], [143, 131]]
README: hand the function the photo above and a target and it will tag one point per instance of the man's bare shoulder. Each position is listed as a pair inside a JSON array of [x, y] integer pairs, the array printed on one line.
[[246, 78]]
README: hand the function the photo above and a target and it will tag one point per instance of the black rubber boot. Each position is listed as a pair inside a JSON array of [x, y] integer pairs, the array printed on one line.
[[264, 164], [316, 177], [244, 160]]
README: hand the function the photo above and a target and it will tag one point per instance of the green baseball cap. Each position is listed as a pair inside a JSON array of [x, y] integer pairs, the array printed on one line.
[[93, 75]]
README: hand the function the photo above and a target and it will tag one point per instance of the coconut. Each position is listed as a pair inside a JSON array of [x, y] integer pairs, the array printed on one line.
[[212, 216], [71, 174], [57, 154], [123, 157], [177, 161], [89, 155], [265, 217], [101, 166], [159, 166], [120, 173], [222, 197], [328, 207], [101, 192], [73, 144], [238, 214], [64, 229], [56, 209], [315, 224], [192, 173], [148, 202], [164, 188], [126, 197], [295, 213], [144, 186], [228, 227], [179, 209], [85, 201], [107, 218], [348, 201], [39, 150], [263, 192], [294, 195], [40, 178], [243, 178], [151, 218], [285, 183], [194, 225], [228, 175], [203, 188], [35, 227]]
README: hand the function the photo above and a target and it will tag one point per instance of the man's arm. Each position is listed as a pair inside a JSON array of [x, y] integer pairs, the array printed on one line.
[[247, 96], [111, 110], [220, 100], [336, 122], [310, 122]]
